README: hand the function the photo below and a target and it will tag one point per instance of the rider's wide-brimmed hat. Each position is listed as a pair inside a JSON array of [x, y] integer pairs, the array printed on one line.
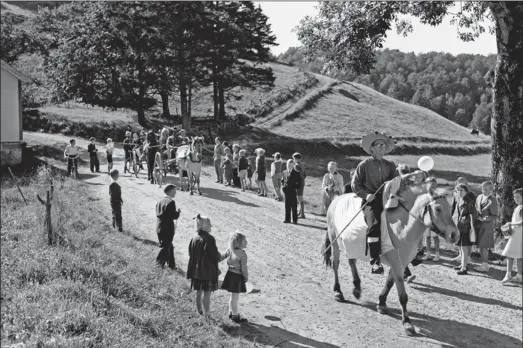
[[368, 140]]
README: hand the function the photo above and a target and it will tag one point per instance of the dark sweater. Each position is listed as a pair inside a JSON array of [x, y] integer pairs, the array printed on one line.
[[243, 163], [203, 257], [291, 182], [166, 213], [115, 192], [91, 148]]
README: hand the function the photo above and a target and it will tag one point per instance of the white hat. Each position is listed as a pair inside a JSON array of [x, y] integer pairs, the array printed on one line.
[[368, 140]]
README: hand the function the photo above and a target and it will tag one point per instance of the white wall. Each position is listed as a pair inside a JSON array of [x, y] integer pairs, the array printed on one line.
[[10, 108]]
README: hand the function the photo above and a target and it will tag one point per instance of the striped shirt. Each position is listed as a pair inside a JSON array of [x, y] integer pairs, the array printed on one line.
[[237, 263]]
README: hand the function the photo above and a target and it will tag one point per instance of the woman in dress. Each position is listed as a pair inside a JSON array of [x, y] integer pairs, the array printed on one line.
[[487, 207], [466, 209], [514, 248]]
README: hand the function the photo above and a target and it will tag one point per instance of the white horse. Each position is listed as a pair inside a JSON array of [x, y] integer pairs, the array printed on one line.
[[189, 158], [405, 224]]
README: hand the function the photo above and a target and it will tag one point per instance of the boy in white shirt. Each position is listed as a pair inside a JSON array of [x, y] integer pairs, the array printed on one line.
[[71, 150]]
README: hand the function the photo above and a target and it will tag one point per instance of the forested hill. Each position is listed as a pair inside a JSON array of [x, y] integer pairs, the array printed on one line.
[[452, 86]]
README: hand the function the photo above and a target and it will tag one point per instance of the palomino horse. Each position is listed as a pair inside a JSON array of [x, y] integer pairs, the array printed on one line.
[[189, 158], [407, 224]]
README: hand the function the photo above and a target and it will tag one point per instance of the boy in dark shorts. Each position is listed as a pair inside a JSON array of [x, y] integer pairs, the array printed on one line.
[[115, 193], [93, 156]]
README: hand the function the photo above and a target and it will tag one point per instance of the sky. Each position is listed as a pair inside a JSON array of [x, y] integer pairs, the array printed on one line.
[[284, 16]]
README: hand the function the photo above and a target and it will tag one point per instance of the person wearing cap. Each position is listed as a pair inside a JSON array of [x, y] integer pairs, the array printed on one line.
[[152, 144], [298, 158], [369, 176], [93, 156], [276, 175], [202, 268], [127, 148], [166, 213]]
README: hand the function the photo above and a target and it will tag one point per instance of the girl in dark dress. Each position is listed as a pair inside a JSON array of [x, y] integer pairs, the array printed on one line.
[[467, 213], [203, 264]]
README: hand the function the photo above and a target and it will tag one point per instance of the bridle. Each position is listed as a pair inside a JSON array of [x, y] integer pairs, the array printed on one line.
[[427, 209], [191, 152]]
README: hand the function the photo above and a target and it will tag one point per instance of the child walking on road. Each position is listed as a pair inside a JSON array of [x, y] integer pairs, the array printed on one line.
[[93, 156], [115, 193], [237, 274], [291, 182]]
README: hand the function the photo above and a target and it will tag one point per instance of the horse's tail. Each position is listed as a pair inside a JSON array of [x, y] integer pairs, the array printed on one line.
[[327, 249]]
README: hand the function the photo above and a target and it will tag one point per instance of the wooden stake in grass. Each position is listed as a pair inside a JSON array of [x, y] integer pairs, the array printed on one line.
[[16, 182], [47, 222]]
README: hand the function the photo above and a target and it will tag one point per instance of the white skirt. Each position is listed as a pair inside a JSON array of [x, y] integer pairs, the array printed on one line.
[[514, 247]]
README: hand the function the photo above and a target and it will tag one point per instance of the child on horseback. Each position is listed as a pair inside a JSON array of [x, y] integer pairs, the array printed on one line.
[[202, 268], [332, 186], [237, 274]]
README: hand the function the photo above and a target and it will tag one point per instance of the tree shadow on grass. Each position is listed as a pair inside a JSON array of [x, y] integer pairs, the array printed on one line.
[[225, 195], [273, 336], [451, 333]]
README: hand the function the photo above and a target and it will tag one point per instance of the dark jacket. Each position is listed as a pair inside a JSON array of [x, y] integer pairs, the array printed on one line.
[[243, 163], [91, 148], [466, 212], [203, 257], [166, 213], [115, 193], [291, 181]]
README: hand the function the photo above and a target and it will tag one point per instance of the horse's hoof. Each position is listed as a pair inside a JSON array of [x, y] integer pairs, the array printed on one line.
[[339, 297], [357, 293], [381, 309], [409, 329]]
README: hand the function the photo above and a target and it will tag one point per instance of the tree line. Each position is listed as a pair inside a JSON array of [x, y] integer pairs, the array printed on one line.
[[452, 86], [125, 54]]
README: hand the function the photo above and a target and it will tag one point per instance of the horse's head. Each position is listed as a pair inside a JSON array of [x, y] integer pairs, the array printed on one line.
[[197, 145], [437, 215]]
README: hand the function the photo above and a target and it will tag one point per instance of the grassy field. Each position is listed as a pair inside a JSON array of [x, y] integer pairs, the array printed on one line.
[[94, 291]]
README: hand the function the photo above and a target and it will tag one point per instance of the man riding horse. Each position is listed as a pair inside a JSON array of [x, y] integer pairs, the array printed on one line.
[[369, 176]]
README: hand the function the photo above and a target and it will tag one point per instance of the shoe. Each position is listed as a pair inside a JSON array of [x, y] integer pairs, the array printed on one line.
[[237, 319], [217, 181], [462, 272], [427, 256], [506, 280], [411, 279], [517, 279], [483, 268], [230, 315], [295, 222], [301, 216], [200, 312], [286, 222], [377, 269], [416, 261], [436, 258], [243, 190], [456, 259], [457, 268]]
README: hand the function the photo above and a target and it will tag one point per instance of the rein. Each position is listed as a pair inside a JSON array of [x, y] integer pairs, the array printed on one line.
[[427, 208]]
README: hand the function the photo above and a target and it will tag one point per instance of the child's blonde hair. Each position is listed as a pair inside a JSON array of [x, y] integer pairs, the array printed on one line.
[[109, 140], [235, 241]]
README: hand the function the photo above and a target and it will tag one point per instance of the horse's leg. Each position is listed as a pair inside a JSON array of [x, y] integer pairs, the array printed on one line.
[[190, 179], [389, 283], [335, 266], [355, 279], [397, 270]]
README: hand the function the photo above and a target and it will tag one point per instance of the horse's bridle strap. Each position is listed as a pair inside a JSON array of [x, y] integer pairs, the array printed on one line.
[[432, 225]]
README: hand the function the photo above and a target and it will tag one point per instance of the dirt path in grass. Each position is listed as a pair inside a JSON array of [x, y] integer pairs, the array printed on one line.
[[293, 304]]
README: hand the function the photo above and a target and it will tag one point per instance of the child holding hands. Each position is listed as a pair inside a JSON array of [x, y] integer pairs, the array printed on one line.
[[237, 274]]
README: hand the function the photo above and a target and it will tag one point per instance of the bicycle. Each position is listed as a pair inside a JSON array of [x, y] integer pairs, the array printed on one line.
[[74, 166]]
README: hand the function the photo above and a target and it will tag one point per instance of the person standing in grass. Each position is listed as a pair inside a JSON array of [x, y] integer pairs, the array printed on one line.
[[276, 175], [298, 158], [467, 214], [218, 154], [332, 186], [115, 195], [243, 166], [202, 268], [514, 248], [109, 149], [71, 150], [487, 207], [166, 213], [291, 182], [94, 163], [237, 274]]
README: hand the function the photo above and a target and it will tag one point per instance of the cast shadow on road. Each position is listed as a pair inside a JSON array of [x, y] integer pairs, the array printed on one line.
[[427, 288], [312, 226], [273, 336], [225, 195], [145, 241], [449, 333]]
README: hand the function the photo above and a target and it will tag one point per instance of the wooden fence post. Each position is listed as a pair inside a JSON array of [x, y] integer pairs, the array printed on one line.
[[47, 221], [16, 182]]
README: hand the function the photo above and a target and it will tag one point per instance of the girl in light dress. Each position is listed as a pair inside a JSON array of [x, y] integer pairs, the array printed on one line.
[[487, 207], [109, 148], [514, 248], [332, 186]]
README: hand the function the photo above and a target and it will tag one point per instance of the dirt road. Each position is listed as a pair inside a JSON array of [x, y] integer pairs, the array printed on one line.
[[293, 302]]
